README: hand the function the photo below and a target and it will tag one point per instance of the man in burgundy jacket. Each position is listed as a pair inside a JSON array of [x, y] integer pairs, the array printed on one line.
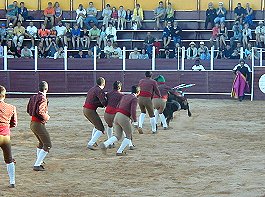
[[148, 88], [126, 112], [8, 119], [95, 98], [38, 110]]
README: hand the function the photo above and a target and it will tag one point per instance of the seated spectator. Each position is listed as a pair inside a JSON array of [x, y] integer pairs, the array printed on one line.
[[223, 35], [167, 54], [44, 33], [59, 53], [80, 15], [135, 54], [175, 33], [89, 54], [19, 32], [128, 18], [167, 34], [148, 43], [31, 33], [134, 25], [22, 12], [247, 35], [227, 52], [215, 35], [138, 16], [76, 36], [248, 15], [256, 54], [2, 32], [235, 55], [169, 14], [26, 52], [221, 13], [10, 49], [197, 66], [143, 55], [159, 14], [18, 51], [108, 49], [84, 38], [114, 17], [98, 51], [67, 35], [103, 36], [238, 47], [51, 49], [91, 15], [248, 51], [58, 12], [80, 54], [117, 52], [94, 34], [210, 15], [106, 14], [41, 50], [157, 46], [260, 34], [239, 13], [203, 52], [1, 50], [192, 51], [121, 18], [177, 51], [219, 54], [111, 33], [53, 34], [11, 14], [237, 31], [10, 32], [49, 14], [61, 31]]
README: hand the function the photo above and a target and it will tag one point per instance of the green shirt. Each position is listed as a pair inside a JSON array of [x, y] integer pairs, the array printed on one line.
[[94, 32]]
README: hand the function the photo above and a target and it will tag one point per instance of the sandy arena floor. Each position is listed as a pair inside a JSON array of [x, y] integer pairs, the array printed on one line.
[[219, 151]]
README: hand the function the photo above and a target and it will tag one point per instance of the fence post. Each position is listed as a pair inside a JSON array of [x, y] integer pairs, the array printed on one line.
[[123, 58], [95, 58], [178, 57], [36, 58], [65, 58], [241, 53], [5, 58], [260, 57], [153, 58], [252, 76], [212, 57], [183, 59]]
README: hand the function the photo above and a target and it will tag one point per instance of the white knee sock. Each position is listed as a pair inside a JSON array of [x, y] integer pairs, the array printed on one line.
[[163, 120], [93, 132], [124, 143], [156, 115], [42, 155], [95, 137], [11, 172], [130, 143], [109, 132], [110, 141], [153, 124], [38, 152], [141, 120]]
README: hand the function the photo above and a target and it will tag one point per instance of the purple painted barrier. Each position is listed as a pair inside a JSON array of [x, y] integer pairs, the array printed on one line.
[[258, 94], [80, 64], [20, 64], [50, 64], [1, 63]]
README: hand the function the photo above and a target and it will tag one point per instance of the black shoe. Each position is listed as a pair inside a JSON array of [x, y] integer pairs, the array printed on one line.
[[11, 186], [38, 168]]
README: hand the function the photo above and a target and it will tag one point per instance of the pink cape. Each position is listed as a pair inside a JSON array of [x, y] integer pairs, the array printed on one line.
[[240, 86]]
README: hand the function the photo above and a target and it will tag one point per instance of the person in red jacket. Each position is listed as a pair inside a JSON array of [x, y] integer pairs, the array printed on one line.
[[37, 108], [95, 98], [148, 88], [113, 98], [126, 113], [8, 119], [160, 103]]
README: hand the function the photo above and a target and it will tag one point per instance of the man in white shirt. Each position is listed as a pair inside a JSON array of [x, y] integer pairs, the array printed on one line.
[[31, 32], [121, 18], [197, 66], [26, 52], [108, 50], [260, 34], [60, 33], [59, 53]]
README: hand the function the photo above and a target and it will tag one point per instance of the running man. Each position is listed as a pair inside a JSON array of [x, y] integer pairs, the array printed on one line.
[[38, 110], [148, 88], [8, 119], [126, 113], [95, 98]]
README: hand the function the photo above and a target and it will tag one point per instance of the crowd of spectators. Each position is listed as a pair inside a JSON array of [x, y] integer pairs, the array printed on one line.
[[54, 35]]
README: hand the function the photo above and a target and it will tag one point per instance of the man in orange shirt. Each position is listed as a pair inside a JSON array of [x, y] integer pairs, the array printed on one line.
[[44, 33], [49, 14]]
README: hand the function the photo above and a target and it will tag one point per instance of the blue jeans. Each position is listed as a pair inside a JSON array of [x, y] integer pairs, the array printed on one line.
[[219, 19], [177, 39], [89, 19]]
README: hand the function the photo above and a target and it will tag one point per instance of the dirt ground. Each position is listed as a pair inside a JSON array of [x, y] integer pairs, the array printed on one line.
[[219, 151]]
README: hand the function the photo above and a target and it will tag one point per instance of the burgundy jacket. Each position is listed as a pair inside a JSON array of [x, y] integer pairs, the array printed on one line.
[[113, 98], [148, 87], [95, 98], [164, 89], [128, 106], [38, 108], [8, 118]]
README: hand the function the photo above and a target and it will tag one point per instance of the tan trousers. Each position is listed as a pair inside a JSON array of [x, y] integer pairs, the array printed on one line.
[[122, 123], [5, 145], [94, 118], [145, 103], [159, 104]]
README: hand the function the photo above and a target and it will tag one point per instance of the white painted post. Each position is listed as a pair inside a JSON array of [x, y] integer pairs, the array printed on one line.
[[252, 76], [36, 58], [178, 57], [95, 58], [5, 58], [212, 57], [124, 58], [241, 53], [153, 58], [260, 57], [65, 58], [183, 59]]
